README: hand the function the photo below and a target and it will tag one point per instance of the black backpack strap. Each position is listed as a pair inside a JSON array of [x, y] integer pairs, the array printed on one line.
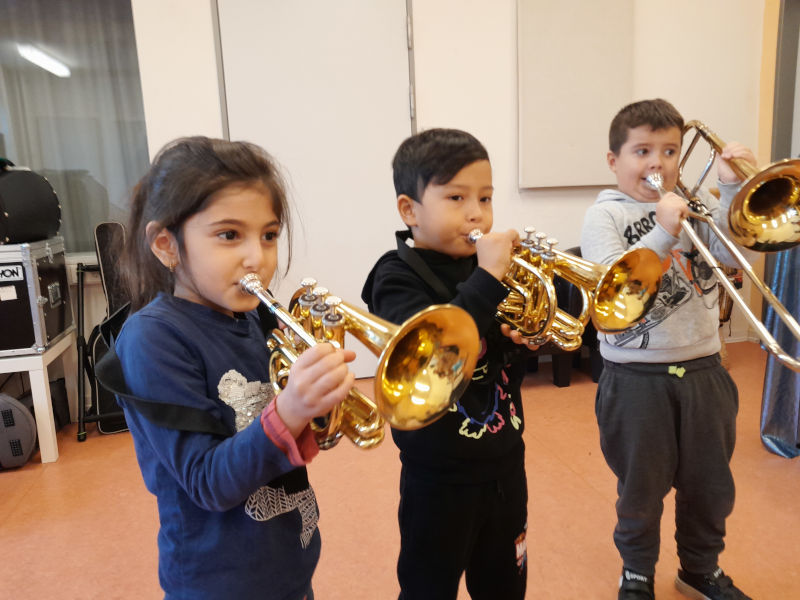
[[292, 482], [413, 260], [108, 372]]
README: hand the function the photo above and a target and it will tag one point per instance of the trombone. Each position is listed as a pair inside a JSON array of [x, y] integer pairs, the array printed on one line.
[[764, 216], [424, 364]]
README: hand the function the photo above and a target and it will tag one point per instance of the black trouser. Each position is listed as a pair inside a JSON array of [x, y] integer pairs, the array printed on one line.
[[450, 529], [658, 430]]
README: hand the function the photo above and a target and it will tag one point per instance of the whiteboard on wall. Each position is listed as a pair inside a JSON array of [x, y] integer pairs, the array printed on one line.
[[575, 63], [324, 87]]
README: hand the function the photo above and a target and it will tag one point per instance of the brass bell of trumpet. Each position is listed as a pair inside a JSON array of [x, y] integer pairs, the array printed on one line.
[[424, 364], [764, 216], [615, 297]]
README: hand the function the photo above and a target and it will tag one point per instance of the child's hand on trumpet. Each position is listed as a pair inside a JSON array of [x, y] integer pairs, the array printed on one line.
[[516, 337], [494, 251], [318, 380]]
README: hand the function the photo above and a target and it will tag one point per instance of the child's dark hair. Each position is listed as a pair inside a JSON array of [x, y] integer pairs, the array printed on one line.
[[433, 156], [658, 114], [184, 176]]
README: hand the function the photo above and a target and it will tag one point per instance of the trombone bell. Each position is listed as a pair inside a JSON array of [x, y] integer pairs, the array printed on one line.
[[765, 214]]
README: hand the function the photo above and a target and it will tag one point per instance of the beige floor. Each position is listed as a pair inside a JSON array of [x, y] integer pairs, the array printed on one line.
[[84, 527]]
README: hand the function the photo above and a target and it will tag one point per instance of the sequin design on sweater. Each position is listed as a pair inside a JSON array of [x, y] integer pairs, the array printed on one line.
[[248, 399]]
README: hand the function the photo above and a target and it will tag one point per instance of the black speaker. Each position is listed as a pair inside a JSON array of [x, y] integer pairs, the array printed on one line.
[[17, 433]]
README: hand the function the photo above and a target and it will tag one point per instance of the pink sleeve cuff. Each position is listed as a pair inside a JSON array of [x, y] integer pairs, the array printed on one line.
[[300, 451]]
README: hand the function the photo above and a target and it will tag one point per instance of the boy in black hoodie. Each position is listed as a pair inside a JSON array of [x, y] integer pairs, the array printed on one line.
[[463, 491]]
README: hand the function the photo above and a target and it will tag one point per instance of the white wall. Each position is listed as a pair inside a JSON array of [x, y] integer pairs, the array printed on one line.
[[705, 57], [466, 77], [178, 67]]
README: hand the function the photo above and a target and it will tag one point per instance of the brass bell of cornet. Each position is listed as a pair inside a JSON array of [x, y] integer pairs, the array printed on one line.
[[424, 364], [615, 297]]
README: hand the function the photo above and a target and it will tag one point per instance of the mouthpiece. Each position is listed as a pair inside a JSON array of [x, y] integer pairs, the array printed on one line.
[[656, 181], [251, 283]]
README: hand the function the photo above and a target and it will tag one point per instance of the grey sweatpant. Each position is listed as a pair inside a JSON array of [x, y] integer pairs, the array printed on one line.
[[664, 426]]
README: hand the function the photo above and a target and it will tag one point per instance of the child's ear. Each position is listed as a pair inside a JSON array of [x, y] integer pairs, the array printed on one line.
[[612, 161], [163, 244], [407, 207]]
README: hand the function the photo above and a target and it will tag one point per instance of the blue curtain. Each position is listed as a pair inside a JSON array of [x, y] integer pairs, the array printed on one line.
[[780, 407]]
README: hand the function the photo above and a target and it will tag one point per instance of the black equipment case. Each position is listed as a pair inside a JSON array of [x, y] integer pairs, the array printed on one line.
[[35, 310], [29, 207]]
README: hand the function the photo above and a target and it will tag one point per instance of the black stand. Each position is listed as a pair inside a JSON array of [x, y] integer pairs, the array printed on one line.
[[84, 365]]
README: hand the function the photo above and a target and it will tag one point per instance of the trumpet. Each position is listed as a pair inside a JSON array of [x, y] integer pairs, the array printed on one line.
[[424, 364], [764, 216], [615, 297]]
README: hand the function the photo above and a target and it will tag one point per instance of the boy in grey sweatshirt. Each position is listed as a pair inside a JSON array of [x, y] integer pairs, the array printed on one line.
[[665, 406]]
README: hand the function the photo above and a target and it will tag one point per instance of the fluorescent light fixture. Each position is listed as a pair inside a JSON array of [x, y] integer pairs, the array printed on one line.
[[43, 60]]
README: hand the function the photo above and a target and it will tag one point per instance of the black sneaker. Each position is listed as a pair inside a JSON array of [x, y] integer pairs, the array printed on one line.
[[634, 586], [714, 586]]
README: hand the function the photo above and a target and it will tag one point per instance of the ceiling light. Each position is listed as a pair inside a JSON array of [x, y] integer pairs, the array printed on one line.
[[43, 60]]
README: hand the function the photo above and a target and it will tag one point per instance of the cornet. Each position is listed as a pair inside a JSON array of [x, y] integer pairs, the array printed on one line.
[[615, 297], [424, 365], [764, 216]]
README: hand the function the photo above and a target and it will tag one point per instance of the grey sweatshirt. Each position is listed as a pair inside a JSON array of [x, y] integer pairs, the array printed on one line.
[[683, 323]]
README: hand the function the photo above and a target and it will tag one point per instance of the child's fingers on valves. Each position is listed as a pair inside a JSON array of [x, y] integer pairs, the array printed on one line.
[[337, 393], [331, 361], [513, 236], [349, 355], [313, 355], [327, 375]]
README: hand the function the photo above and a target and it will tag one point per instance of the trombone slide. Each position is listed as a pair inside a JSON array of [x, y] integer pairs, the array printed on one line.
[[701, 213]]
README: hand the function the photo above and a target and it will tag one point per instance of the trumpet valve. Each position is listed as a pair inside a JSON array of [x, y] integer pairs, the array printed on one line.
[[319, 308], [333, 322], [308, 284], [548, 254], [528, 243], [538, 247], [332, 317], [317, 311]]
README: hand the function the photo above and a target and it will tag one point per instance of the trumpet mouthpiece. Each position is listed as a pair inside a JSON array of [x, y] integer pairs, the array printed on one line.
[[475, 235], [250, 283]]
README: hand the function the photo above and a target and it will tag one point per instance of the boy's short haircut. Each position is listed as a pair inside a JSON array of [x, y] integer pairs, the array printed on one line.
[[658, 114], [433, 156]]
